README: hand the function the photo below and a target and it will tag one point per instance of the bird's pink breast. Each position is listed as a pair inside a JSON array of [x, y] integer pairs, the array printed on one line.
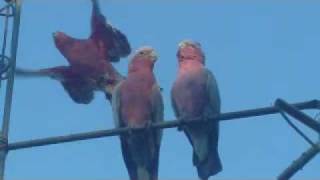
[[190, 93], [135, 100]]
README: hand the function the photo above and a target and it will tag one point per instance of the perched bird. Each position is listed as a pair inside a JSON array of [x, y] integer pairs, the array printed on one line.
[[137, 103], [89, 60], [195, 96]]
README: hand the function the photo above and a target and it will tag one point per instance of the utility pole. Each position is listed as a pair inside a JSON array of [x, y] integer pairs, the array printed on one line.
[[8, 73]]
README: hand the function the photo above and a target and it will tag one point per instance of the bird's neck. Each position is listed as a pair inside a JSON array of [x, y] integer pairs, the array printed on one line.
[[140, 66], [190, 66]]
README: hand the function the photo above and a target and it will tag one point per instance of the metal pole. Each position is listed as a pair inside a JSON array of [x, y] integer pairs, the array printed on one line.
[[167, 124], [300, 116], [308, 155], [10, 83], [298, 164]]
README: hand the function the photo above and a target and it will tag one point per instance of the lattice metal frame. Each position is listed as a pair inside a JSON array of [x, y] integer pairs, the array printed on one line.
[[7, 68], [8, 63]]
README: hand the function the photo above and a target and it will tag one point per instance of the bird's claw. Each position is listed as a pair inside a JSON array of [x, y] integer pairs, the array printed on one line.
[[149, 126], [181, 125], [130, 131]]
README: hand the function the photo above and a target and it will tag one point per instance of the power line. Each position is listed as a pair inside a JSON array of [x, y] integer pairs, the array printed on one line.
[[314, 104]]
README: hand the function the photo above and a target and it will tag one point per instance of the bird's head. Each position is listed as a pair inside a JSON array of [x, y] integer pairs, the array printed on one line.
[[190, 51], [143, 57], [62, 40]]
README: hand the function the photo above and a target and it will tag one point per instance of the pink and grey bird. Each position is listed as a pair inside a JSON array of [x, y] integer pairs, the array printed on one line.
[[89, 59], [137, 103], [195, 96]]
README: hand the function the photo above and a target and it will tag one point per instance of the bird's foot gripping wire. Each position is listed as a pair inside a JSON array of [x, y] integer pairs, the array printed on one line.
[[150, 126], [133, 129], [182, 123]]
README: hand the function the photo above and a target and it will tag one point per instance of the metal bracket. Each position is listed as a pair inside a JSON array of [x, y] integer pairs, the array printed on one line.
[[308, 155], [300, 116], [4, 67]]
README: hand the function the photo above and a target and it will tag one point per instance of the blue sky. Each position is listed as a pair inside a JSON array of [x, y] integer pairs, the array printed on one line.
[[258, 51]]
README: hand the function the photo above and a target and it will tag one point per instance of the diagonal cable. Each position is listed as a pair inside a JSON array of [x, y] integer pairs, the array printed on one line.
[[304, 136]]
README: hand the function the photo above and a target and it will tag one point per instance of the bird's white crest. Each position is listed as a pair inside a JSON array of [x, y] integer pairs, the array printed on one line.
[[144, 48], [147, 49], [188, 42], [194, 44]]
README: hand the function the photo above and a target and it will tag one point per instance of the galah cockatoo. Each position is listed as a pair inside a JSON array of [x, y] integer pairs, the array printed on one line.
[[89, 60], [195, 96], [137, 103]]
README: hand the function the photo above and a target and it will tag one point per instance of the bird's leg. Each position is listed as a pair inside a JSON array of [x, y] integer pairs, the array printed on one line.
[[148, 126], [182, 123], [130, 131], [204, 118]]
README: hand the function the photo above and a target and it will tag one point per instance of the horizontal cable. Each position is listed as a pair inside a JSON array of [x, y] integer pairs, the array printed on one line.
[[167, 124]]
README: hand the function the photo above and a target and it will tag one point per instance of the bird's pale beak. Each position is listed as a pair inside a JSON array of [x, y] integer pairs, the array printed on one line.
[[154, 56]]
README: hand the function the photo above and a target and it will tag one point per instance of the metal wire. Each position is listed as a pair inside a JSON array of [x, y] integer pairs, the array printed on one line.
[[237, 115], [317, 118], [305, 137]]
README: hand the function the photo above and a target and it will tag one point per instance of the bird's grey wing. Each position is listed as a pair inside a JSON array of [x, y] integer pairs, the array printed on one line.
[[157, 109], [173, 104], [157, 116], [116, 105], [214, 94], [157, 104]]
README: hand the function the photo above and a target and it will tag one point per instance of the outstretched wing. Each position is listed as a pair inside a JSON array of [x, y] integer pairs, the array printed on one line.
[[80, 91], [121, 46], [113, 44]]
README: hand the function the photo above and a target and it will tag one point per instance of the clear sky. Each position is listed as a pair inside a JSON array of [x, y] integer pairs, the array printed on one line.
[[258, 51]]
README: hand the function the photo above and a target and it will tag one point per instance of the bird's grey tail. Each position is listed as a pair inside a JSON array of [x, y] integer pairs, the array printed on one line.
[[140, 161], [210, 167], [143, 173]]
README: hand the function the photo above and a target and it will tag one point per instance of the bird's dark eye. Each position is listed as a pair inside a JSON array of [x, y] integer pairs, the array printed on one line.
[[141, 53]]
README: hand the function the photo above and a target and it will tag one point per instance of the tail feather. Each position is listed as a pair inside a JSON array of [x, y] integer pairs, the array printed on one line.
[[143, 174], [204, 140], [139, 158], [210, 167]]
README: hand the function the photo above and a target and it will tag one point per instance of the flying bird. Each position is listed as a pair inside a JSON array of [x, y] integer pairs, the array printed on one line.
[[195, 97], [137, 103], [89, 59]]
